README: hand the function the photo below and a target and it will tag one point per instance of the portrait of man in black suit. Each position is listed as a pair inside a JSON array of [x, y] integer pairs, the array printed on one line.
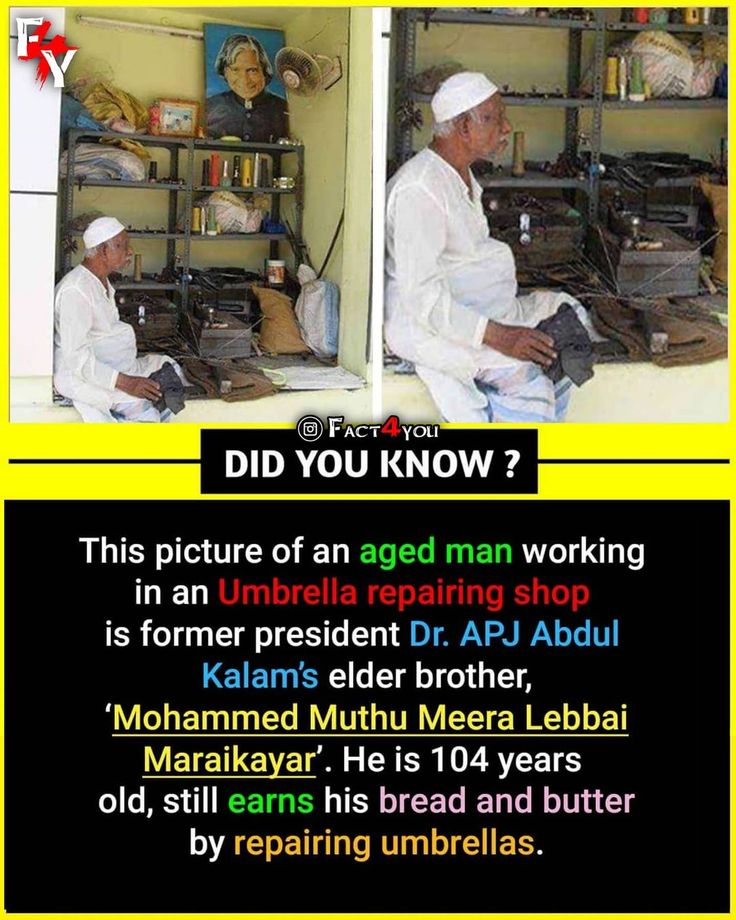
[[248, 109]]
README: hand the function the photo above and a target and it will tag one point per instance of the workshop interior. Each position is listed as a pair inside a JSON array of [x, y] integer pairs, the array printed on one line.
[[251, 259], [613, 187]]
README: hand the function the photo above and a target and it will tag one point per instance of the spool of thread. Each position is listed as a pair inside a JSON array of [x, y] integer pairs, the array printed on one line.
[[215, 169], [236, 171], [611, 88], [247, 179], [265, 179], [641, 14], [196, 220], [659, 15], [692, 16], [225, 181], [206, 172], [202, 220], [257, 170], [636, 80], [152, 171], [517, 168], [622, 79], [137, 267], [211, 221], [706, 15]]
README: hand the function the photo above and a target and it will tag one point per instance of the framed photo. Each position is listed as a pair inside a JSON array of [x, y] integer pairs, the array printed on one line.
[[178, 116], [245, 98]]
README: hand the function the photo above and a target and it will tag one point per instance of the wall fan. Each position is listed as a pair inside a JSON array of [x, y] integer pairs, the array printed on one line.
[[305, 74]]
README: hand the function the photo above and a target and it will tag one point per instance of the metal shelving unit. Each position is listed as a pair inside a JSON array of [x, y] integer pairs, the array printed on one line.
[[530, 179], [183, 183], [409, 20], [143, 235], [572, 103], [557, 102], [712, 102], [221, 237], [663, 27], [478, 17]]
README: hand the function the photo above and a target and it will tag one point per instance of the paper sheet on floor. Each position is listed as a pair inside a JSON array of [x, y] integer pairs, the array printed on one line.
[[320, 378]]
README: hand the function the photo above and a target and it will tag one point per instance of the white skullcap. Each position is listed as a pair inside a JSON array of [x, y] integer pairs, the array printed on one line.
[[101, 230], [460, 93]]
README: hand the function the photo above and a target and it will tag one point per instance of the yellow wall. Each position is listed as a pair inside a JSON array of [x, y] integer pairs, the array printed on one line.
[[357, 232], [517, 56], [149, 67], [152, 66], [320, 122], [523, 56]]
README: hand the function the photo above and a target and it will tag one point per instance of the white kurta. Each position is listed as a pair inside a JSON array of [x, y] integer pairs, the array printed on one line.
[[445, 277], [92, 346]]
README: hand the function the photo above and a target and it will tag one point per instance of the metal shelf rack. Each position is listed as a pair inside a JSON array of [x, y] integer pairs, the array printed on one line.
[[712, 102], [559, 102], [663, 27], [530, 179], [479, 17], [184, 183], [408, 20]]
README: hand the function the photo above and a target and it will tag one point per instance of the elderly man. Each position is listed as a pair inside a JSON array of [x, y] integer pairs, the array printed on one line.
[[95, 355], [248, 111], [451, 294]]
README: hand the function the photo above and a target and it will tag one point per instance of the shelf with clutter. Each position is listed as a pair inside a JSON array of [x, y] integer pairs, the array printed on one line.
[[254, 194], [613, 206]]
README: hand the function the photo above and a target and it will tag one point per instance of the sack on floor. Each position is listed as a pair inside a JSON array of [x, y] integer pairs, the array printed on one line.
[[317, 312], [717, 196], [279, 330]]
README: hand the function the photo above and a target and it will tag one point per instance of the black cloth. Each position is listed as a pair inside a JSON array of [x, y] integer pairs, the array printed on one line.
[[172, 389], [265, 121], [572, 344]]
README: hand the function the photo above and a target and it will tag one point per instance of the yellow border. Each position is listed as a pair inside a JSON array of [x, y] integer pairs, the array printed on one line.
[[182, 441]]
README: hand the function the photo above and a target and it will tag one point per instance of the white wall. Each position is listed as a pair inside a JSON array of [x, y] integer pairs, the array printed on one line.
[[32, 248], [34, 157]]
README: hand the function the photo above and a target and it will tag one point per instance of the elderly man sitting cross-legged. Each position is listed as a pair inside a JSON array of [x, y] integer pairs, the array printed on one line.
[[95, 354]]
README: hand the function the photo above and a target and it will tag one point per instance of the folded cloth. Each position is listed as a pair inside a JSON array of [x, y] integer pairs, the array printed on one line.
[[691, 340], [172, 389], [105, 101], [202, 375], [98, 162], [572, 344], [245, 383]]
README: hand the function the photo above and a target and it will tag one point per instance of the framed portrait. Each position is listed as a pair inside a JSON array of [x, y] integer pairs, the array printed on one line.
[[244, 96], [178, 116]]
